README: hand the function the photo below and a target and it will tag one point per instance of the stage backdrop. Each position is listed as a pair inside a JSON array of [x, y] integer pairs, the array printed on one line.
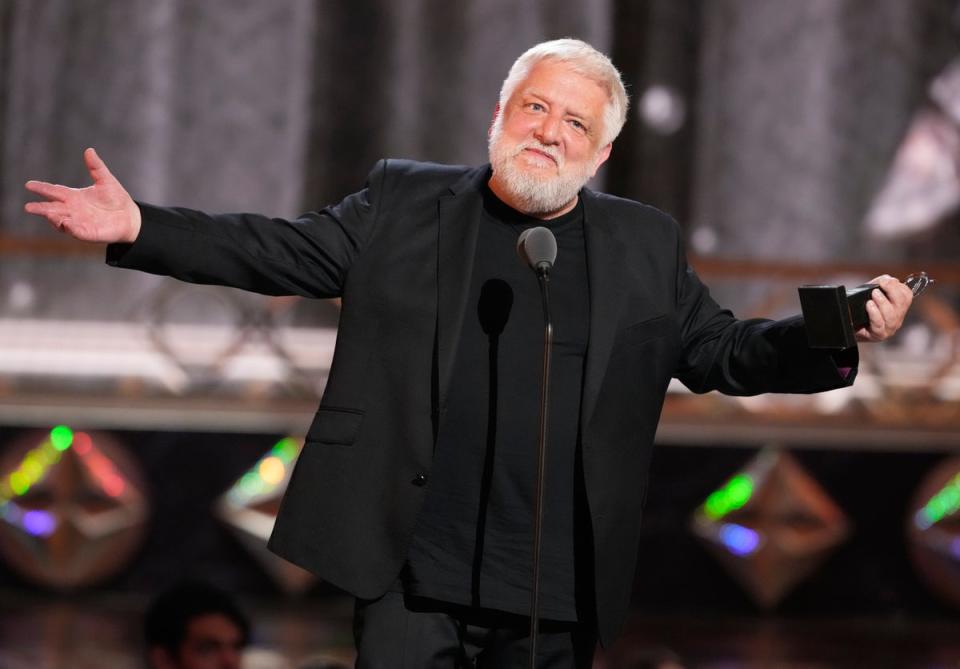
[[772, 130]]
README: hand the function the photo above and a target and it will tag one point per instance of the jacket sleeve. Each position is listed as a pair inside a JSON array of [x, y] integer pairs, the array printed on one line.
[[309, 256], [749, 357]]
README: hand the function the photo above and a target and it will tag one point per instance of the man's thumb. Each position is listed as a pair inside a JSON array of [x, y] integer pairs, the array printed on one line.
[[97, 168]]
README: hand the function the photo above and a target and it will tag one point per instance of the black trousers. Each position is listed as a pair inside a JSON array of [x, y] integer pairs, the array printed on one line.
[[404, 632]]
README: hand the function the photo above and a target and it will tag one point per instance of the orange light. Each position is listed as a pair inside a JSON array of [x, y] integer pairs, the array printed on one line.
[[272, 470]]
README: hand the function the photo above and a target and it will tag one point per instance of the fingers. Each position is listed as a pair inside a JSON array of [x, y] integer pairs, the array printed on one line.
[[97, 168], [55, 212], [45, 208], [886, 308], [878, 327], [896, 292], [894, 299], [50, 191], [99, 172]]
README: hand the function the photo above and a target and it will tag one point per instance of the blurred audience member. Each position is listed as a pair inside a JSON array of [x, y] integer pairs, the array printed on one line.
[[194, 625]]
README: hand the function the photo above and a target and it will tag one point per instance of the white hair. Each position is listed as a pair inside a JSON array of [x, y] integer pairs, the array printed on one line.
[[585, 61]]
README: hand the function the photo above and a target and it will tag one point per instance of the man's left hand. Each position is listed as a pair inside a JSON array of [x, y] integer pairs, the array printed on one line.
[[887, 307]]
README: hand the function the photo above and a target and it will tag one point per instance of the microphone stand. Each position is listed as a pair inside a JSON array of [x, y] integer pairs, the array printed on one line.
[[543, 276]]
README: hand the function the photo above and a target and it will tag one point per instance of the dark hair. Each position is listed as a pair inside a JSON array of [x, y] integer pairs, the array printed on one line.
[[166, 620]]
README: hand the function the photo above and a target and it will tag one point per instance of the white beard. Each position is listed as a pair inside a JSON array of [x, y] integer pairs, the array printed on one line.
[[535, 193]]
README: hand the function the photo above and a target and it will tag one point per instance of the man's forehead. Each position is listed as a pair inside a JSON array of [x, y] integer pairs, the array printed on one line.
[[551, 80], [213, 625]]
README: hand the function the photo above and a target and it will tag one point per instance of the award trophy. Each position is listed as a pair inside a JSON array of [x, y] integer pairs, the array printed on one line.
[[833, 314]]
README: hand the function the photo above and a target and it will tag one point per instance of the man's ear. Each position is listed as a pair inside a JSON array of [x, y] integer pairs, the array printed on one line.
[[602, 156], [496, 113]]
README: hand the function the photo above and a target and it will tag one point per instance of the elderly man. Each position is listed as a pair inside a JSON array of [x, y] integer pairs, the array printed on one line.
[[414, 489]]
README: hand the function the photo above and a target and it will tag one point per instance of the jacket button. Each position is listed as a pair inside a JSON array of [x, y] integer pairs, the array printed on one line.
[[419, 480]]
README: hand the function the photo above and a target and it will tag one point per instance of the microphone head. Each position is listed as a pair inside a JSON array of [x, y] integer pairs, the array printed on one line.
[[538, 247]]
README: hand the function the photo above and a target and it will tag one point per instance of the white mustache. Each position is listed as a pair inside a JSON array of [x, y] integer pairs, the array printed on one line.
[[549, 150]]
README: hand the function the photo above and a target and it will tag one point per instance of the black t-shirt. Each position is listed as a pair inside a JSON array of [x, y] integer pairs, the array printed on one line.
[[473, 540]]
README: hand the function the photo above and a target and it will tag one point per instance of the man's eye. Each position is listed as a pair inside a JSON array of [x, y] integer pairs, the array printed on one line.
[[578, 125], [536, 106]]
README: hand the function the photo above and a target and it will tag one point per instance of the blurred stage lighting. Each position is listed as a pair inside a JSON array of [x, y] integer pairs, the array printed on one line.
[[71, 505], [249, 508], [21, 297], [923, 184], [934, 530], [662, 109], [770, 525]]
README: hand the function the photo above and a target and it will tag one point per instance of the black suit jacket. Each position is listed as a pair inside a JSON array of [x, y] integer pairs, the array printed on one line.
[[400, 254]]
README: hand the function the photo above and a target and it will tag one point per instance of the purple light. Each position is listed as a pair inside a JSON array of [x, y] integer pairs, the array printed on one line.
[[738, 539], [955, 548], [39, 523]]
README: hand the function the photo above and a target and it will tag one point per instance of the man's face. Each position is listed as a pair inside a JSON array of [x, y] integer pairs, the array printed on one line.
[[545, 145], [212, 641]]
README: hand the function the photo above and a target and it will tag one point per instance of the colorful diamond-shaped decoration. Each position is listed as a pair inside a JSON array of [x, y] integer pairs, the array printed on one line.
[[72, 510], [934, 530], [250, 508], [770, 525]]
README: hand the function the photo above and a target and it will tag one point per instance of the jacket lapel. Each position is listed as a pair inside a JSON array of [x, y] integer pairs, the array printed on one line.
[[607, 275], [459, 224], [460, 214]]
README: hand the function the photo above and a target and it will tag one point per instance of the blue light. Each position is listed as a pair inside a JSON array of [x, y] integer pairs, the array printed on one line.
[[738, 539], [39, 523]]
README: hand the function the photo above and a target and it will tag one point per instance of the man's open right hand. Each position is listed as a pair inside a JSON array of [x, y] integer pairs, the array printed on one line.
[[103, 212]]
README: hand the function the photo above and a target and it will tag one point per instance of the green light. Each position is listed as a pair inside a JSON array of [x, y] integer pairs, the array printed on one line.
[[250, 484], [715, 504], [61, 436], [732, 496], [740, 490], [285, 449], [944, 503]]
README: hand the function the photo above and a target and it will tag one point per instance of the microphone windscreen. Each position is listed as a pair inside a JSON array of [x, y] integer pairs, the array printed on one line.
[[538, 247]]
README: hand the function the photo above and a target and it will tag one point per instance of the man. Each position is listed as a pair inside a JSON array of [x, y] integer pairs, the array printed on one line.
[[414, 488], [194, 626]]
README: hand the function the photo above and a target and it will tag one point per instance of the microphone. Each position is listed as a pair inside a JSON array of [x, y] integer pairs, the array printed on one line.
[[538, 247]]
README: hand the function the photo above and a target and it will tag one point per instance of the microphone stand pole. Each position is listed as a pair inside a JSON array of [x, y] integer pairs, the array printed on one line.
[[543, 275]]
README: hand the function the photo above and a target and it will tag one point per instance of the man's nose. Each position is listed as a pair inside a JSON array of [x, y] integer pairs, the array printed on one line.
[[548, 131]]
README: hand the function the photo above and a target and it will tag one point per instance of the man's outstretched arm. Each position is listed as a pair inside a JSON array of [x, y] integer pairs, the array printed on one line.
[[102, 212], [747, 357], [308, 256]]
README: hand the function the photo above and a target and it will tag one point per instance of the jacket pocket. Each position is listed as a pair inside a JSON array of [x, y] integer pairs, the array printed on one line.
[[647, 329], [335, 425]]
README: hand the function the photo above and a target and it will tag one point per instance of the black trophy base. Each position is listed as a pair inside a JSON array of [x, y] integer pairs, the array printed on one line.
[[833, 314]]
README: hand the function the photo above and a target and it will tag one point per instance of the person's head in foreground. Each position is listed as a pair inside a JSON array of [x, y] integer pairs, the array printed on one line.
[[195, 626]]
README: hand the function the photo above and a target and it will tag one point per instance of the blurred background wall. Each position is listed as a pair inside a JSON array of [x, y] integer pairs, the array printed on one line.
[[769, 122], [794, 142]]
